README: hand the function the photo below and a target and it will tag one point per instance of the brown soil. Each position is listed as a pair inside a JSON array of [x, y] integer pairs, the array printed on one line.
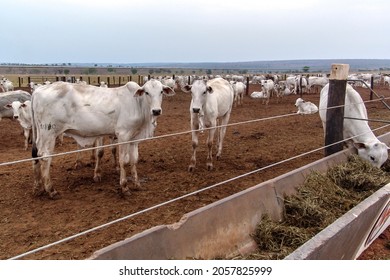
[[28, 222]]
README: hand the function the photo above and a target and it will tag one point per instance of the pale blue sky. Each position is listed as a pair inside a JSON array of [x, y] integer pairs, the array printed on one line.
[[125, 31]]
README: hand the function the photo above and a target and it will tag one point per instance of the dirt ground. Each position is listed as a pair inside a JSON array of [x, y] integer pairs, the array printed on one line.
[[28, 222]]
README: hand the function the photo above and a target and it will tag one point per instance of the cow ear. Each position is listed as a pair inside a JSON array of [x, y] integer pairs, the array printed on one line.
[[210, 89], [139, 92], [359, 146], [8, 106], [187, 88], [168, 91]]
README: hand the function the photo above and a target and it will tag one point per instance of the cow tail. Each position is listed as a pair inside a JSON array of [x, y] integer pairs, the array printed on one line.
[[34, 151]]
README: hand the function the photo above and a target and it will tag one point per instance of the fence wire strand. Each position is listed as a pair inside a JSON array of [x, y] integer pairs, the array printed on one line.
[[69, 238]]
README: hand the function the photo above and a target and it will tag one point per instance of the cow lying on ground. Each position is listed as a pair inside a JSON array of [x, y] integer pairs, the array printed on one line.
[[305, 107]]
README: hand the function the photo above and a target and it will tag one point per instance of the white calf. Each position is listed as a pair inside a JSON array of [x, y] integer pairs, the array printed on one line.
[[268, 86], [305, 108]]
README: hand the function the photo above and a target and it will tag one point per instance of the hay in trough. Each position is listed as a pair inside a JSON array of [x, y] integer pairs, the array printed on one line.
[[319, 201]]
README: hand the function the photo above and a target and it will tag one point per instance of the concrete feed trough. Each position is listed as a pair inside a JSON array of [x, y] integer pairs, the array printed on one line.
[[222, 229]]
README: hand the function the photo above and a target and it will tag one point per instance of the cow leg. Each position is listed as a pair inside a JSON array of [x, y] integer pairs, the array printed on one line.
[[78, 164], [222, 132], [113, 152], [61, 139], [195, 140], [26, 138], [133, 165], [123, 161], [97, 177], [210, 140], [45, 169], [38, 184]]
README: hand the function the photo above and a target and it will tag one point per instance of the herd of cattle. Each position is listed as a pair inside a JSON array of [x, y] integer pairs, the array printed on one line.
[[129, 113]]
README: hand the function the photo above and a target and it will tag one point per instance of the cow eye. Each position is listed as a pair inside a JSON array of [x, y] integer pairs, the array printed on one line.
[[205, 92], [147, 93], [372, 158]]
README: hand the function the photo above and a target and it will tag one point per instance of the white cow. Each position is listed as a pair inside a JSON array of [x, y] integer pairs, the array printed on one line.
[[386, 80], [170, 82], [22, 113], [6, 85], [367, 144], [85, 113], [268, 87], [214, 101], [305, 108], [9, 97], [316, 81], [239, 91], [291, 84], [258, 94], [300, 84]]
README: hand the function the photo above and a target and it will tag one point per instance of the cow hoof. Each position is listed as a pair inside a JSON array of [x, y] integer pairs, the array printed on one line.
[[209, 167], [191, 168], [78, 165], [97, 178], [126, 193], [55, 195], [37, 192]]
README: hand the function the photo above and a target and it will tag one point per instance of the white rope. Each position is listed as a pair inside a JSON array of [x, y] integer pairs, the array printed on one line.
[[164, 136], [140, 140]]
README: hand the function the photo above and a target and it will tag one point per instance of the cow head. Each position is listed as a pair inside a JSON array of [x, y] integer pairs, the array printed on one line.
[[199, 90], [16, 106], [375, 152], [153, 91]]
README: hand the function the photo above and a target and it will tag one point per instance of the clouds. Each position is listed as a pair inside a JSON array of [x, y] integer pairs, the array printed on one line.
[[122, 31]]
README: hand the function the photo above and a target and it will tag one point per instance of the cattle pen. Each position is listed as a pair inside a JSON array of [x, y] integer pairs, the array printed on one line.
[[258, 138]]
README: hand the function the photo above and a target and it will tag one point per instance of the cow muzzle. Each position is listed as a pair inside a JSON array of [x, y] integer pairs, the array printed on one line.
[[16, 117], [156, 112], [196, 110]]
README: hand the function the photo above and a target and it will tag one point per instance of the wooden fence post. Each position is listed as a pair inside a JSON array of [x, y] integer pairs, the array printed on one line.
[[372, 87], [335, 116], [300, 86], [247, 86]]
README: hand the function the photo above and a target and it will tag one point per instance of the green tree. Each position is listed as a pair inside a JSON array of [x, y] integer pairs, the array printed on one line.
[[134, 71], [66, 71], [306, 69]]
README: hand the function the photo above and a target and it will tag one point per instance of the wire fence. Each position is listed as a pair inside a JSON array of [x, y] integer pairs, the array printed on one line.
[[185, 195]]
